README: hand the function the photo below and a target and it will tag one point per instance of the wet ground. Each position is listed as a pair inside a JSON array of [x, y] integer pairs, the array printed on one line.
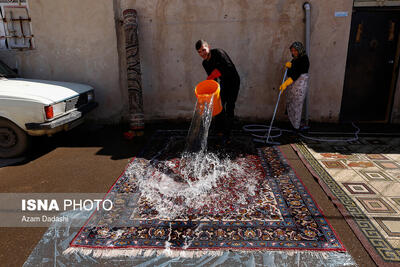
[[90, 158]]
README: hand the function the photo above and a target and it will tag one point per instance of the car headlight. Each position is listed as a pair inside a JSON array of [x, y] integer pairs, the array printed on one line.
[[58, 108], [90, 96], [54, 110]]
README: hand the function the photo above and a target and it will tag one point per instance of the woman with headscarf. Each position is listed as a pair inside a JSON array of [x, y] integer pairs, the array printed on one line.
[[297, 83]]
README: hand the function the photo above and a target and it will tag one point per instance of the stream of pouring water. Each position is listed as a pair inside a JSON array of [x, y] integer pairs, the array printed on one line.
[[180, 187], [196, 141]]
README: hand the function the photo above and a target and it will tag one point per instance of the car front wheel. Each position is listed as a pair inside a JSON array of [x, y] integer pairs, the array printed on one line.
[[13, 140]]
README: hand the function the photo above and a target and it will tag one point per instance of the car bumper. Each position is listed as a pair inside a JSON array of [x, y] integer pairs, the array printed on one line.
[[64, 123]]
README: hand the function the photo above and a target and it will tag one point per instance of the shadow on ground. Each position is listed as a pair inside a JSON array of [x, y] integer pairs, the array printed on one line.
[[109, 139]]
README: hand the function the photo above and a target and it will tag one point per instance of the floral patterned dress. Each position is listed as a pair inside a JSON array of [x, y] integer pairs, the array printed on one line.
[[296, 93]]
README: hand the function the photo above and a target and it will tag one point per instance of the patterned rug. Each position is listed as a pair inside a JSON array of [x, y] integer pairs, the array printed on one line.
[[268, 209], [363, 179]]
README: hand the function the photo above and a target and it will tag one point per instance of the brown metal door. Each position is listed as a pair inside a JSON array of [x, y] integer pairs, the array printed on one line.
[[372, 65]]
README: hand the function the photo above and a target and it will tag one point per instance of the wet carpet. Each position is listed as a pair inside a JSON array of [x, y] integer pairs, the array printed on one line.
[[259, 204]]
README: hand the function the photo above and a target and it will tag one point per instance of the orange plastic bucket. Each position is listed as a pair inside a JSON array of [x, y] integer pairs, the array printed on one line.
[[205, 90]]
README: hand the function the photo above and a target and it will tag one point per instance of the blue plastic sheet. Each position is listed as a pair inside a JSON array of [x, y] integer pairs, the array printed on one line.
[[49, 252]]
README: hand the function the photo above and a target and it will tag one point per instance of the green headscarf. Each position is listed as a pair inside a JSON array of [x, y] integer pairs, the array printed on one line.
[[299, 47]]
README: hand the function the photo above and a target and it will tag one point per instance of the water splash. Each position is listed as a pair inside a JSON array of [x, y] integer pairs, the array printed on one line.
[[194, 185], [181, 187]]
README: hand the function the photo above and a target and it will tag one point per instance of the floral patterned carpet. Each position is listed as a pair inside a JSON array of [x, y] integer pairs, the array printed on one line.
[[363, 180], [262, 205]]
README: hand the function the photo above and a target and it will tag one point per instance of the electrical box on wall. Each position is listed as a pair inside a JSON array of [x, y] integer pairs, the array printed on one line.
[[15, 25]]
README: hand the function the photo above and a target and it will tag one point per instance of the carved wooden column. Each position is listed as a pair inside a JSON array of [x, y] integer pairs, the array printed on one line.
[[136, 116]]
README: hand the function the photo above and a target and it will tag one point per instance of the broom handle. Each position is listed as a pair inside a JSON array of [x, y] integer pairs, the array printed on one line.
[[276, 107]]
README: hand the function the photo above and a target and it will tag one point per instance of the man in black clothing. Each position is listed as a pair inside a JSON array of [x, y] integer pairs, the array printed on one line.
[[217, 64]]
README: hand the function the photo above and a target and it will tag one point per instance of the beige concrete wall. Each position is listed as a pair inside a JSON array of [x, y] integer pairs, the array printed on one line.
[[256, 34], [329, 45], [75, 40], [78, 40]]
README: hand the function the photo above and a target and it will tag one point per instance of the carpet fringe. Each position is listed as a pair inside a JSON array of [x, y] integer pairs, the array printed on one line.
[[132, 252]]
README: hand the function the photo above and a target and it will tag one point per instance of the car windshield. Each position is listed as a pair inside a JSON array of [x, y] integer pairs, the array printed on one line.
[[6, 71]]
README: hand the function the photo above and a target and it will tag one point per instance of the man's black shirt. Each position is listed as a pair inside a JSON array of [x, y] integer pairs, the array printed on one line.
[[220, 60]]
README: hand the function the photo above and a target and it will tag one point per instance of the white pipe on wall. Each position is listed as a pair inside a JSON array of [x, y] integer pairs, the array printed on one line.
[[307, 9]]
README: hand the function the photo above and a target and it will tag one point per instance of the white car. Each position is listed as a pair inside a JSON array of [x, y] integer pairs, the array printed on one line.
[[38, 107]]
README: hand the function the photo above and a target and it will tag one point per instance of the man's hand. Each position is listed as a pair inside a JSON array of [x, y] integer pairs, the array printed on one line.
[[214, 74], [286, 84], [288, 64]]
